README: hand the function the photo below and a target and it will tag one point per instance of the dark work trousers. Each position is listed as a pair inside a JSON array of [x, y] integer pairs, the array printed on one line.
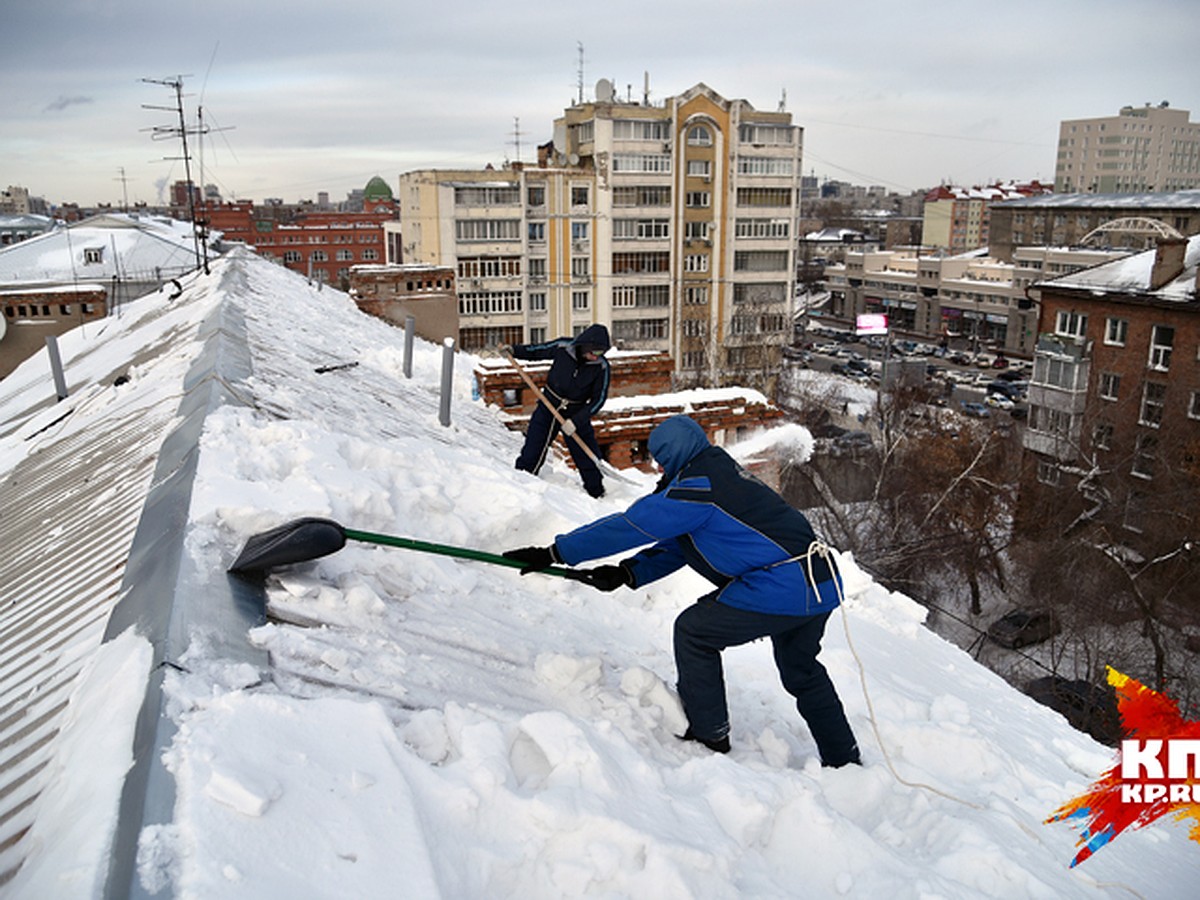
[[707, 627], [543, 429]]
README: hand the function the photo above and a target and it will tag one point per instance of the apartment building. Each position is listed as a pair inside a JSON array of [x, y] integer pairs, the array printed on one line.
[[1116, 380], [971, 299], [958, 219], [1131, 221], [673, 224], [1141, 149]]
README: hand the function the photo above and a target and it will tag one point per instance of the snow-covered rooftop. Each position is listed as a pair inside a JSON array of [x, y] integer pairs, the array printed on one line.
[[410, 724], [1161, 200], [1131, 275]]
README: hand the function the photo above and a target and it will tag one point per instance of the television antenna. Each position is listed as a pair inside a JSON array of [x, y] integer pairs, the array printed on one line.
[[181, 131]]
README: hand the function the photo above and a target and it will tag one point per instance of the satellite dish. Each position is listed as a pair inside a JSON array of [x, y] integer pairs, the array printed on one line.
[[604, 90], [573, 159], [3, 326]]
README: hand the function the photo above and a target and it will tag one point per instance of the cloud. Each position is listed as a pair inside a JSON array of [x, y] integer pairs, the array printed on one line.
[[63, 102]]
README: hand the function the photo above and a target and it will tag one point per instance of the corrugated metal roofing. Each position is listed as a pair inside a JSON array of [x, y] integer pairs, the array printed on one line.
[[91, 522]]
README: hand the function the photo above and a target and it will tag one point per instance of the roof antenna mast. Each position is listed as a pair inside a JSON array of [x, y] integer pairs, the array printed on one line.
[[159, 132], [579, 74]]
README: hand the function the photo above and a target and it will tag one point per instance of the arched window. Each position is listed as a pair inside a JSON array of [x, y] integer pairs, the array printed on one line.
[[699, 136]]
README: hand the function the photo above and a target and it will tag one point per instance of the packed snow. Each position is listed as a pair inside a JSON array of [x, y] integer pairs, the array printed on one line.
[[434, 727]]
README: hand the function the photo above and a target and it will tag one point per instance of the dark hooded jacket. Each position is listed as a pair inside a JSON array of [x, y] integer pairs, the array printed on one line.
[[573, 383], [711, 514]]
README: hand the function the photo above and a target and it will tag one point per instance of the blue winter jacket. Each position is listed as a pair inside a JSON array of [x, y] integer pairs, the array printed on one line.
[[573, 382], [713, 515]]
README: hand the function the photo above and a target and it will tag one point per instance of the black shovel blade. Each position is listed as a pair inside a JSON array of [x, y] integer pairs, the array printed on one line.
[[297, 541]]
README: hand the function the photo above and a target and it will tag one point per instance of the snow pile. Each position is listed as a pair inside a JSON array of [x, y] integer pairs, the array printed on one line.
[[433, 727]]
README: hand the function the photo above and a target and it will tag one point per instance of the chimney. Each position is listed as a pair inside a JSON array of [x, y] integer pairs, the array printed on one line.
[[1168, 261]]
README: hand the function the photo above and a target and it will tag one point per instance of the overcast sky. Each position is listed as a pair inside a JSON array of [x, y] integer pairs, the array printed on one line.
[[316, 97]]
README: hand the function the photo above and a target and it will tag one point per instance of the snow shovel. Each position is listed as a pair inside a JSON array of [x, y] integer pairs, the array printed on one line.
[[566, 426], [310, 538]]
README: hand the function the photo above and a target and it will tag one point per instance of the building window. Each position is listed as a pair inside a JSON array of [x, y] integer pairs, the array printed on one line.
[[483, 303], [641, 195], [624, 297], [1144, 455], [489, 266], [1110, 385], [642, 162], [1102, 436], [641, 229], [641, 129], [695, 262], [699, 136], [1161, 339], [581, 301], [699, 168], [535, 195], [291, 256], [764, 165], [693, 359], [1055, 371], [1070, 324], [1049, 473], [537, 302], [694, 296], [537, 335], [641, 263], [468, 230], [93, 255], [760, 261], [369, 255], [761, 228], [537, 232], [581, 268], [764, 197], [698, 199], [579, 195], [345, 256], [695, 328], [1152, 404], [319, 256], [766, 134], [1116, 331], [537, 268], [579, 231], [696, 231], [487, 196]]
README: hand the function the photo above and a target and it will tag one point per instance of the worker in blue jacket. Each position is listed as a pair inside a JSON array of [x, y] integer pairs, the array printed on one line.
[[771, 575], [577, 385]]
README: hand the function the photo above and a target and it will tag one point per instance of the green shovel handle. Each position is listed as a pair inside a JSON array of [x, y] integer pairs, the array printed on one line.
[[459, 552]]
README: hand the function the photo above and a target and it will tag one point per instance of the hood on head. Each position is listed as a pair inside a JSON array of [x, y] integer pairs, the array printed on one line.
[[594, 337], [675, 442]]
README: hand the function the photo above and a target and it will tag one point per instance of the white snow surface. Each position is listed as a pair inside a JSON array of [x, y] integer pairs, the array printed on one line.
[[435, 727]]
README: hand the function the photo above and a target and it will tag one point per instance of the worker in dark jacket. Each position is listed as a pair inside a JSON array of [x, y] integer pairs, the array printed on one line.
[[773, 579], [577, 385]]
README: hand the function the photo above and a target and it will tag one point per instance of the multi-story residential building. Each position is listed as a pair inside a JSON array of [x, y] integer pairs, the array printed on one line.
[[974, 298], [1141, 149], [1133, 221], [958, 219], [673, 224], [1116, 380]]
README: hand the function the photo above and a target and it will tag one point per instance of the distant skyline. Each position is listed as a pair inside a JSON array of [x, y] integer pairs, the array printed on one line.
[[305, 98]]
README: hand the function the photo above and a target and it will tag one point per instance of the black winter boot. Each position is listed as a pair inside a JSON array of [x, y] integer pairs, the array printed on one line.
[[716, 745]]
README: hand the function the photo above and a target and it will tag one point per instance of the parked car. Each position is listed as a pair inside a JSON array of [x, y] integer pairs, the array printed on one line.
[[853, 440], [976, 409], [961, 358], [1019, 412], [1088, 707], [1012, 373], [999, 363], [1023, 627], [1004, 389], [999, 401]]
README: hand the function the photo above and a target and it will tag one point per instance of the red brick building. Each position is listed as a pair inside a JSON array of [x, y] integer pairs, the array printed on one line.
[[320, 244], [1116, 382]]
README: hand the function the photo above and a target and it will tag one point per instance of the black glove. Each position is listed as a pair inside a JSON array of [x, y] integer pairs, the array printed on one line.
[[607, 578], [534, 558]]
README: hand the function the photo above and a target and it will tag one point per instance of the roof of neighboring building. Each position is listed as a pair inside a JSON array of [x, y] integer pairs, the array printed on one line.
[[1131, 275], [133, 248], [1163, 200]]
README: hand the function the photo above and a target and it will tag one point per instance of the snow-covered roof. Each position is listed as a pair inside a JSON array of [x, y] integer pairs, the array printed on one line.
[[1131, 275], [410, 722], [1161, 200], [127, 246]]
